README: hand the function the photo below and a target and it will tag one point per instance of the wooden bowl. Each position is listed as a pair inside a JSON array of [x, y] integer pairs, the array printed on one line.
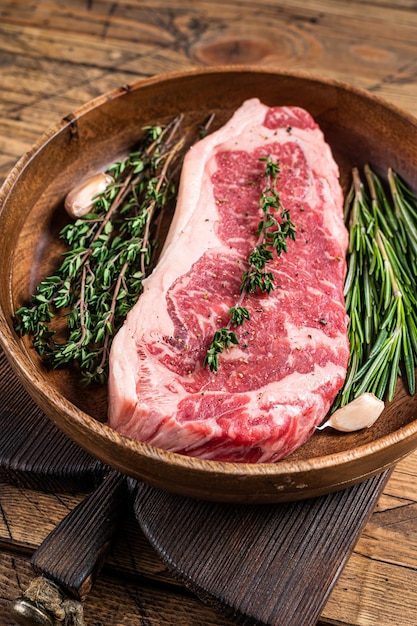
[[359, 127]]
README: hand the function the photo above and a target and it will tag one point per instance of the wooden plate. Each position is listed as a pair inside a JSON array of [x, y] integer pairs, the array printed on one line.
[[359, 127]]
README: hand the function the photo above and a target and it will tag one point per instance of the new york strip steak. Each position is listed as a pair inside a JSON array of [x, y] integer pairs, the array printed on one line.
[[276, 386]]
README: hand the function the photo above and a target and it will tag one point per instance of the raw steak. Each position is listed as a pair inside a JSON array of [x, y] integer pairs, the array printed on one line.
[[272, 390]]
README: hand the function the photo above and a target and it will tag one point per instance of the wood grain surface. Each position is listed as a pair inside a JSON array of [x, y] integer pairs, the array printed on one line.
[[56, 55]]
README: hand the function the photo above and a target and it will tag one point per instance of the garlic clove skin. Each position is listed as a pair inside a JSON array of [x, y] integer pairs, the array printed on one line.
[[80, 199], [362, 412]]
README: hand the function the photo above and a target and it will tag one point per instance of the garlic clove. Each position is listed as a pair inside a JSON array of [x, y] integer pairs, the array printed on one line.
[[80, 199], [362, 412]]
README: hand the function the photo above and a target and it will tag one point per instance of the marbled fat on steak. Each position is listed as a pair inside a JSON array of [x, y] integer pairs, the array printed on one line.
[[272, 390]]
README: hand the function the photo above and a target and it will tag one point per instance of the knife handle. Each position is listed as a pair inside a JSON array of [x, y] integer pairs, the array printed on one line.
[[71, 556]]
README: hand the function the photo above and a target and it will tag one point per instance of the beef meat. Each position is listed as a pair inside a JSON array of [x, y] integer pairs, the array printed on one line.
[[276, 386]]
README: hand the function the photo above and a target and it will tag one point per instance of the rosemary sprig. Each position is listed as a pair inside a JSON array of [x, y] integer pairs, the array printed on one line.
[[273, 230], [380, 287], [110, 251]]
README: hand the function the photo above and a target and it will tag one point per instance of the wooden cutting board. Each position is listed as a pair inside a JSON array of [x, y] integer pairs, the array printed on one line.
[[262, 564]]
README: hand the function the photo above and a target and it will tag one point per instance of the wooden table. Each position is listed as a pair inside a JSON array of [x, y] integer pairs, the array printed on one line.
[[56, 55]]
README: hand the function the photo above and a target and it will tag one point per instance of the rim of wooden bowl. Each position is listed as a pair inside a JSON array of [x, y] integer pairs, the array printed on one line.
[[285, 480]]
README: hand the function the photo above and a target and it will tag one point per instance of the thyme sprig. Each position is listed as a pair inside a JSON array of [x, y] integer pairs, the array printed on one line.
[[110, 252], [272, 230], [380, 286]]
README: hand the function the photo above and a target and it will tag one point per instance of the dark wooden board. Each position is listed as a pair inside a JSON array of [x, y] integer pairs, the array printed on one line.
[[269, 564], [33, 451]]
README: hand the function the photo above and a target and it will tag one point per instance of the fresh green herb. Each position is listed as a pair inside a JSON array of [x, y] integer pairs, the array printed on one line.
[[221, 341], [110, 251], [273, 230], [380, 287]]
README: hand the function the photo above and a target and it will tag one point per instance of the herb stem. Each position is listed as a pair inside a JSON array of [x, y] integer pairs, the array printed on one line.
[[379, 287], [111, 249], [272, 235]]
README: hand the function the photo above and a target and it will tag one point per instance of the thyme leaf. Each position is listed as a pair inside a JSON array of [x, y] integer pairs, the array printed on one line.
[[273, 230], [222, 339], [110, 251]]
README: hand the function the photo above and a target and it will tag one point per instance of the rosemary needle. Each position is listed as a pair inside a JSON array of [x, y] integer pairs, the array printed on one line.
[[380, 286]]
